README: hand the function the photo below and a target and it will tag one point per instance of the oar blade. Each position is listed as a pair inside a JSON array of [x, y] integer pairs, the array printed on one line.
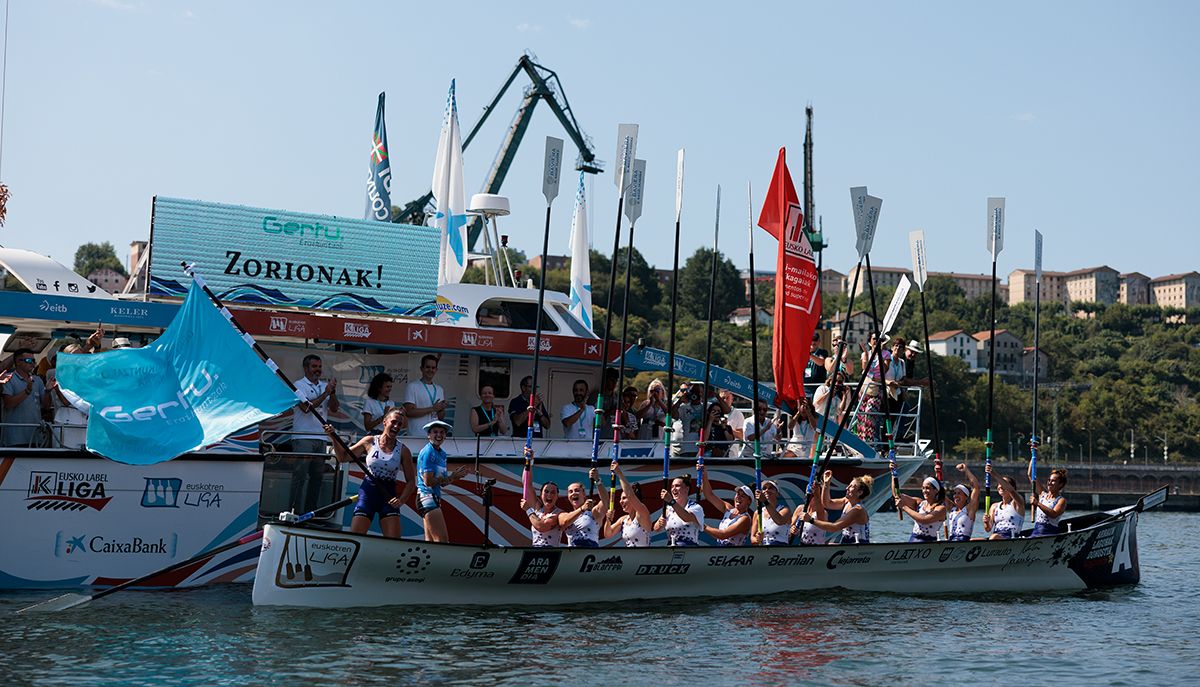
[[58, 603]]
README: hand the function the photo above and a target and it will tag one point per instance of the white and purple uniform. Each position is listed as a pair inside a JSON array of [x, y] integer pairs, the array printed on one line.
[[379, 485], [551, 537], [811, 535], [729, 520], [583, 532], [634, 534], [855, 533], [773, 534], [1007, 521], [681, 533], [923, 532], [1043, 524], [961, 524]]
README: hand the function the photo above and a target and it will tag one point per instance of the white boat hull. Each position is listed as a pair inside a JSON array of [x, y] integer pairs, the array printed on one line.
[[312, 568]]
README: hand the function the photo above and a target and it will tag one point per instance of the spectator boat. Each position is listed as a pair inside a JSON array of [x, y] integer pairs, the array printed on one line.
[[301, 566], [74, 519]]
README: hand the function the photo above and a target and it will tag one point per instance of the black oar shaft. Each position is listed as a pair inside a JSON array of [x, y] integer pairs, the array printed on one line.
[[889, 430], [608, 308], [754, 367], [537, 348], [712, 293]]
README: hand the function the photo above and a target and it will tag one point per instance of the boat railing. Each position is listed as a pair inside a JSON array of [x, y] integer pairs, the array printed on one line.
[[870, 425]]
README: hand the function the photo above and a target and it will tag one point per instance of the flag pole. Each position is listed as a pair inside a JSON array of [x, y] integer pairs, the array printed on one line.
[[551, 174], [633, 210], [754, 360], [190, 270], [669, 428]]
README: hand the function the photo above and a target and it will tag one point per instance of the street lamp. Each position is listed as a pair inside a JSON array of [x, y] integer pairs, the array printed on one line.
[[966, 433]]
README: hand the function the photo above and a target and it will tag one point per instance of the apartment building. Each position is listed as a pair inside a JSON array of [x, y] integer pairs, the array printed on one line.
[[1008, 352], [954, 342], [1134, 289], [1176, 290], [1093, 285]]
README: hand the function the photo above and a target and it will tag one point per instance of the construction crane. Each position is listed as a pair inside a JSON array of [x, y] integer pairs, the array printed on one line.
[[546, 87]]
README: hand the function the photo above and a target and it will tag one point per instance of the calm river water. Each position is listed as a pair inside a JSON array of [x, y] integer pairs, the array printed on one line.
[[1140, 635]]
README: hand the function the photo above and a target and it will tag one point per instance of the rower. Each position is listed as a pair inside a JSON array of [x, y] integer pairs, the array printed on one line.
[[964, 505], [634, 525], [735, 519], [855, 522], [773, 530], [581, 524], [1051, 504], [543, 517], [682, 518], [1007, 515], [387, 458], [927, 514], [434, 474]]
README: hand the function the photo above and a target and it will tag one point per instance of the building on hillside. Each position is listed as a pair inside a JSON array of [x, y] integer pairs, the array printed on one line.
[[861, 326], [880, 277], [1027, 364], [1021, 286], [954, 342], [1093, 285], [553, 262], [741, 317], [973, 285], [664, 276], [1176, 290], [1134, 289], [108, 279], [760, 277], [1008, 352], [832, 282]]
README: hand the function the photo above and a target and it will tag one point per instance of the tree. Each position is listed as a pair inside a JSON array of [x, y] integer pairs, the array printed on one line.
[[94, 256], [644, 290], [694, 286]]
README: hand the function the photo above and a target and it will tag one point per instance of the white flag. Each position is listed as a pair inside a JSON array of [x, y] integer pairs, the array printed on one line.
[[581, 271], [450, 198]]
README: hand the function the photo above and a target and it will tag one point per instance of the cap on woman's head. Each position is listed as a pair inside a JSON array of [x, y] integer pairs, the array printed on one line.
[[437, 423]]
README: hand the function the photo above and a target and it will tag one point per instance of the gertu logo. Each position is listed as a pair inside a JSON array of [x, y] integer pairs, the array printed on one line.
[[183, 402], [316, 230]]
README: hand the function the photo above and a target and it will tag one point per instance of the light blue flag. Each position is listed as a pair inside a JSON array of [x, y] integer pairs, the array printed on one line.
[[195, 385]]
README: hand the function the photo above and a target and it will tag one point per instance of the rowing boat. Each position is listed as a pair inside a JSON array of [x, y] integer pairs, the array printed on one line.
[[301, 566]]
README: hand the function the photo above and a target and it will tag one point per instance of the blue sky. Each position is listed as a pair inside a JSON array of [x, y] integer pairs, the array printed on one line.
[[1080, 113]]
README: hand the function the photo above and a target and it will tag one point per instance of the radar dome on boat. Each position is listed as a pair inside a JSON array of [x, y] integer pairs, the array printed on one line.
[[489, 204]]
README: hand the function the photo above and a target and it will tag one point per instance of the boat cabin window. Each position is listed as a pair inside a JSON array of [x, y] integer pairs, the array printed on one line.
[[498, 313], [496, 373], [577, 328]]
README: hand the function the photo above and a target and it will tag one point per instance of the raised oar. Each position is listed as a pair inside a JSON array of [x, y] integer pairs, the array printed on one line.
[[995, 242], [889, 430], [916, 242], [1037, 358], [865, 236], [633, 210], [669, 428], [712, 292], [61, 603], [754, 359], [626, 149], [551, 174]]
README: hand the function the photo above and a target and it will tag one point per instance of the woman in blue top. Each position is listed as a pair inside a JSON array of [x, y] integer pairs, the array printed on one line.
[[433, 475], [387, 458]]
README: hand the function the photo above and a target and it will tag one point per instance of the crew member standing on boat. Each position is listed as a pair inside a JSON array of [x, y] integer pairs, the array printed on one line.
[[927, 514], [379, 494], [425, 401], [961, 519], [581, 524], [735, 521], [543, 517], [1051, 504], [308, 471], [775, 521], [634, 525], [855, 522], [1008, 514], [434, 474], [682, 518], [486, 419]]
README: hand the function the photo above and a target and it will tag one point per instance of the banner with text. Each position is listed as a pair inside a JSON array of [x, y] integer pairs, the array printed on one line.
[[276, 257]]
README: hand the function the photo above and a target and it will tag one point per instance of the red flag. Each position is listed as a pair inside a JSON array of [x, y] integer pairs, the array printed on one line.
[[797, 299]]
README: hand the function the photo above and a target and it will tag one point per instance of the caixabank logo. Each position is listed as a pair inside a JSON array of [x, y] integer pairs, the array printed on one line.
[[72, 545], [66, 491]]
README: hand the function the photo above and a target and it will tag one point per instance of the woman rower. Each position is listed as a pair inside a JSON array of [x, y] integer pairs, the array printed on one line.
[[682, 518], [543, 517], [582, 523], [854, 523], [1051, 504], [434, 474], [735, 521], [634, 525], [1007, 516], [379, 493], [961, 518], [810, 534], [774, 528], [927, 514]]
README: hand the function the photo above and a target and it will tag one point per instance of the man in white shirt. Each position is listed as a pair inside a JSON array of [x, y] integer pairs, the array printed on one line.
[[767, 427], [578, 416], [425, 401], [308, 472]]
